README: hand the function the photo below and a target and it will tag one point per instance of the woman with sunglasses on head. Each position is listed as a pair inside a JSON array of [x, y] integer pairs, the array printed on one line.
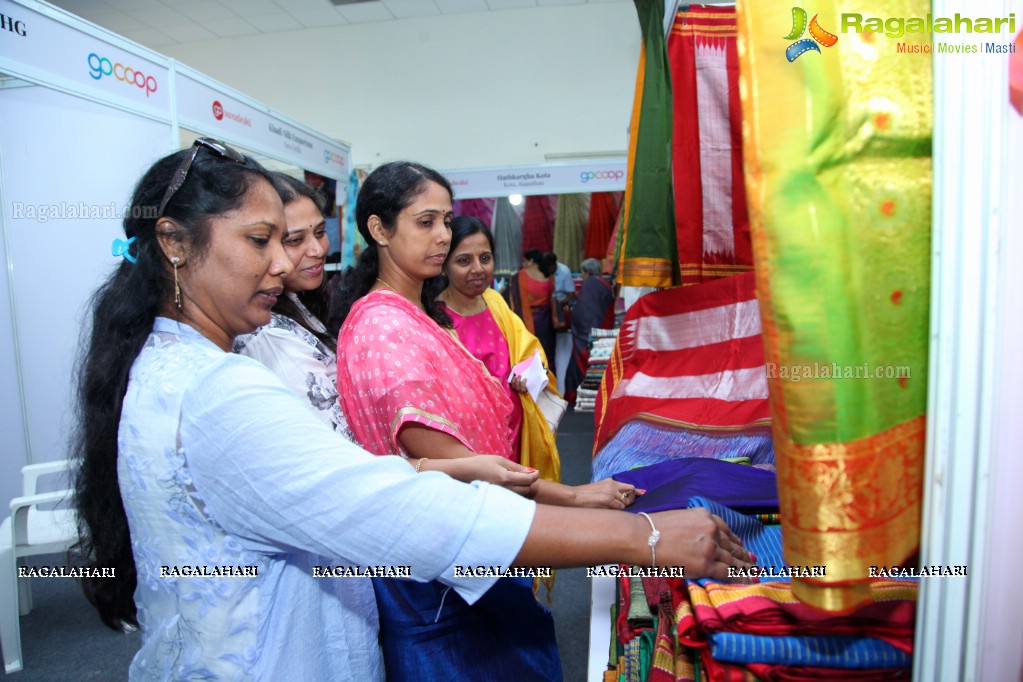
[[217, 497]]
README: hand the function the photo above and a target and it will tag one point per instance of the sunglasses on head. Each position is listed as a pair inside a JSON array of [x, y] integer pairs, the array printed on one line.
[[216, 147]]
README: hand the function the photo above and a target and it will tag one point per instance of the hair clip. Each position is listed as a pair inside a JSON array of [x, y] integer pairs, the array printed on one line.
[[120, 248]]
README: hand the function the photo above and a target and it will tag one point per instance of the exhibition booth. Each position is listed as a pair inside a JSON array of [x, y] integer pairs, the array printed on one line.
[[83, 112]]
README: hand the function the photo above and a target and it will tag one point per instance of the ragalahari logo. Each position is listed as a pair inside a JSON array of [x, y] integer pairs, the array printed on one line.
[[818, 35]]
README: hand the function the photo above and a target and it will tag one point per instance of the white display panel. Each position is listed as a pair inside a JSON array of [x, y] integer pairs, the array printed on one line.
[[46, 49], [597, 175], [205, 105], [69, 169]]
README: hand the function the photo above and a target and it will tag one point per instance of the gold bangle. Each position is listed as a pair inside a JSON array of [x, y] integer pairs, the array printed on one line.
[[419, 464]]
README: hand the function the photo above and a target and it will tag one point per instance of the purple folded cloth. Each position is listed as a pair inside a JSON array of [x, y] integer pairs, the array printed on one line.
[[669, 485]]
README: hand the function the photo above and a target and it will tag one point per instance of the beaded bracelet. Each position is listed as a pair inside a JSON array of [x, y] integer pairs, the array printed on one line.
[[655, 537], [420, 463]]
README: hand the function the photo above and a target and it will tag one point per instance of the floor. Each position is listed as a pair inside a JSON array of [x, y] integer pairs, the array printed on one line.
[[63, 638]]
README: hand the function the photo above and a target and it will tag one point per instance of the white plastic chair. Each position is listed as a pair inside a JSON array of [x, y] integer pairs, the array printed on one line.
[[29, 531]]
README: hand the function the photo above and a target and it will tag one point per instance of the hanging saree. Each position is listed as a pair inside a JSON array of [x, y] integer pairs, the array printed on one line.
[[599, 225], [538, 224], [838, 178], [569, 228], [647, 250], [397, 366], [710, 197], [507, 230], [481, 209]]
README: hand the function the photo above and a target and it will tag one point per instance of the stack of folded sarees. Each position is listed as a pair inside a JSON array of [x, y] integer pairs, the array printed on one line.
[[686, 630], [602, 342]]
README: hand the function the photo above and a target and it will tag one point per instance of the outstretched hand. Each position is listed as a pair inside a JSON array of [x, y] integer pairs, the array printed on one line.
[[499, 471], [605, 494], [700, 541]]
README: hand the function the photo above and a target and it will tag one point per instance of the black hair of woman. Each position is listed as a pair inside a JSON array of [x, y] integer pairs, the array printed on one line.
[[385, 192], [535, 255], [548, 264], [123, 311], [466, 226], [317, 301]]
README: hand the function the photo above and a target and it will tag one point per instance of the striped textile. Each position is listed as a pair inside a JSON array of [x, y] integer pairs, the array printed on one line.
[[712, 226], [775, 636], [689, 358]]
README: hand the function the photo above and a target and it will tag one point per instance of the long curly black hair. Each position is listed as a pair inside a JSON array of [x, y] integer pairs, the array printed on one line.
[[122, 313]]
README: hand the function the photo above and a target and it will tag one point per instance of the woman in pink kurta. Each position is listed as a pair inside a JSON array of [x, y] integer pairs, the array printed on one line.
[[401, 367]]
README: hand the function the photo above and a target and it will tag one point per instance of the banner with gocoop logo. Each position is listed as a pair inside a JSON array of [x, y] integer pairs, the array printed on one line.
[[63, 55], [584, 176]]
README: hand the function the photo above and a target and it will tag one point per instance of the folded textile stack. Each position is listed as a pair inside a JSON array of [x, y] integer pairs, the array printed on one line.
[[723, 631], [602, 343]]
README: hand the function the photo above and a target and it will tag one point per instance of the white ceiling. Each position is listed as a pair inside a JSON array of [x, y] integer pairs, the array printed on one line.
[[157, 23]]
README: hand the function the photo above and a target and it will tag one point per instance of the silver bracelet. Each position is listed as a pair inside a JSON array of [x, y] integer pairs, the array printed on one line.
[[655, 537]]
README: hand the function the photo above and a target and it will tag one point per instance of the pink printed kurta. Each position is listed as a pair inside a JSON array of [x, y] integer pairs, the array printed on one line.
[[397, 366]]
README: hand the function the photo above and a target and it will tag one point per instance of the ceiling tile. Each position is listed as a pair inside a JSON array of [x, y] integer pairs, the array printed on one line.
[[365, 12], [84, 8], [204, 11], [314, 18], [158, 17], [457, 6], [232, 28], [294, 6], [118, 22], [149, 37], [510, 4], [188, 33], [129, 5], [408, 9], [268, 23], [245, 8]]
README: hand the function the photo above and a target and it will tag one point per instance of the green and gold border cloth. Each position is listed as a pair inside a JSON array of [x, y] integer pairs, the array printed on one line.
[[837, 146], [646, 252]]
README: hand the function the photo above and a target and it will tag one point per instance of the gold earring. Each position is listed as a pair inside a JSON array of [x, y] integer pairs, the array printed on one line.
[[177, 290]]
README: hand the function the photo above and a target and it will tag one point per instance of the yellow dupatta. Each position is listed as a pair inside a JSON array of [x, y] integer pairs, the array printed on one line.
[[538, 448]]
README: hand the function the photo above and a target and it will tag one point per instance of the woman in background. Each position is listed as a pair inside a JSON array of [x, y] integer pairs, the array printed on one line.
[[530, 293], [489, 330]]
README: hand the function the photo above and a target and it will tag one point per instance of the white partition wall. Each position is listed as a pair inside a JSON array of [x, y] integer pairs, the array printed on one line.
[[63, 205]]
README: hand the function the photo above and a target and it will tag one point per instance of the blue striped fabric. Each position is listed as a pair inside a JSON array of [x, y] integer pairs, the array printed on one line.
[[764, 541], [853, 653], [640, 443]]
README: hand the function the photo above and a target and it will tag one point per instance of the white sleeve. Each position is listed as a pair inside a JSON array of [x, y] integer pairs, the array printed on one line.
[[295, 363], [271, 474]]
